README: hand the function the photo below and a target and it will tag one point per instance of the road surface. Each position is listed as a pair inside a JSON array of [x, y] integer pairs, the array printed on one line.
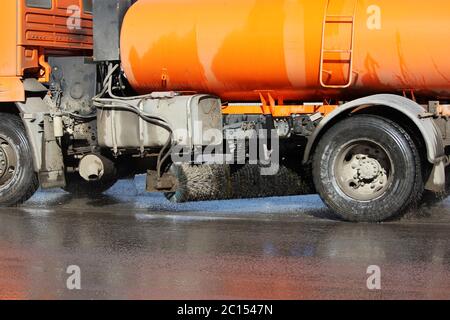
[[132, 245]]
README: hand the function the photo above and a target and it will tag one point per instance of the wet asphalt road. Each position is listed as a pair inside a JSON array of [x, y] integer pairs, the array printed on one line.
[[132, 245]]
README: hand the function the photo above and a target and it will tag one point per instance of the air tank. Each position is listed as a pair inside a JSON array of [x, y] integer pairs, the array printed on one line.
[[296, 50]]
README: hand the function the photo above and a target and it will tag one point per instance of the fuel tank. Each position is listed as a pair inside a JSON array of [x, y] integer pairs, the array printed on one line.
[[296, 50]]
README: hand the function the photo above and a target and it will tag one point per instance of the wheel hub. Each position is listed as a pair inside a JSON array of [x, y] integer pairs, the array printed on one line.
[[368, 168], [362, 170]]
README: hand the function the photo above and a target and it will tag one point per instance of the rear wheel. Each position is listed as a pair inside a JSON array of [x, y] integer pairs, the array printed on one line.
[[368, 169], [18, 180]]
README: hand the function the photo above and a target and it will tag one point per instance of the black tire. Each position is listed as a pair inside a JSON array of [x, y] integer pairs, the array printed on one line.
[[403, 185], [77, 186], [21, 182]]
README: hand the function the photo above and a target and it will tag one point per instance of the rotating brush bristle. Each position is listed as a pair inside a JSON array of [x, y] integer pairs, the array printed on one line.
[[222, 182], [201, 183], [249, 182]]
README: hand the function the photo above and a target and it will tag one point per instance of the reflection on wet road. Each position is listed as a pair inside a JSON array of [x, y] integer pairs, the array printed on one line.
[[132, 245]]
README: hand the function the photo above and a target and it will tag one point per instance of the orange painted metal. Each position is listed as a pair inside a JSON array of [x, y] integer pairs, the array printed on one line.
[[64, 28], [269, 106], [240, 49], [8, 39], [30, 35], [279, 111], [11, 89]]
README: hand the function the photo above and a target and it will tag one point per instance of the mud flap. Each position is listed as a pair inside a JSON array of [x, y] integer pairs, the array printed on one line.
[[436, 182], [52, 173]]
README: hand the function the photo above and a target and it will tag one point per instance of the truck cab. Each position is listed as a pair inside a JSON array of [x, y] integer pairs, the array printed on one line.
[[35, 30]]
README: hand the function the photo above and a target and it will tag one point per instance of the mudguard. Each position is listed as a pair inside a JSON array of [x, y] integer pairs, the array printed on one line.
[[32, 111]]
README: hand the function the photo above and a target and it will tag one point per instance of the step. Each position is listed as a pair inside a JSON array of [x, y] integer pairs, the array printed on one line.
[[339, 19]]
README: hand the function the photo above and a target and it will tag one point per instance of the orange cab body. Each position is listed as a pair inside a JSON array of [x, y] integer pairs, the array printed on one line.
[[29, 35]]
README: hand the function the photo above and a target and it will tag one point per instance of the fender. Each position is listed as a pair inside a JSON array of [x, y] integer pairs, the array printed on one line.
[[32, 111], [430, 132]]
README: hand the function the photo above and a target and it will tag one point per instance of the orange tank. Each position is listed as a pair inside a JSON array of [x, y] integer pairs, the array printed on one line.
[[297, 50]]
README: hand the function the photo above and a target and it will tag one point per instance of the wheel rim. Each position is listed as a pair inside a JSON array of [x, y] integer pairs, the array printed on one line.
[[8, 162], [363, 170]]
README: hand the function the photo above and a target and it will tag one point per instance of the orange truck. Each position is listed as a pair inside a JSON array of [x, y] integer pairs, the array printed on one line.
[[352, 95]]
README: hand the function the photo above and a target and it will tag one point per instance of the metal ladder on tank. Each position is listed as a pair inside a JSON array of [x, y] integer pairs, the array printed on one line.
[[337, 19]]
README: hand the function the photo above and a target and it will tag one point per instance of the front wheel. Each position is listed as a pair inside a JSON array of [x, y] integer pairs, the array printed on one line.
[[368, 169], [18, 179]]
